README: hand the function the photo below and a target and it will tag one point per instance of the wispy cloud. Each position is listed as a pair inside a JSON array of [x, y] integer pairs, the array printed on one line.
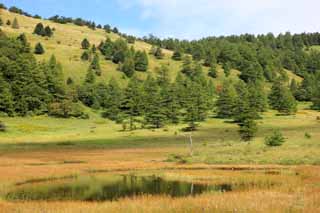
[[194, 19]]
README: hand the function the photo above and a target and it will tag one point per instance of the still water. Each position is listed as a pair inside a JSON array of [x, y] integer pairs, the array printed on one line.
[[110, 189]]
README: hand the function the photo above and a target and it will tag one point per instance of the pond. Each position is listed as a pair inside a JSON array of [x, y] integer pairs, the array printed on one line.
[[110, 188]]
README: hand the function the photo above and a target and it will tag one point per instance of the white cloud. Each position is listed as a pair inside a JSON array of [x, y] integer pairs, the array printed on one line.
[[197, 18]]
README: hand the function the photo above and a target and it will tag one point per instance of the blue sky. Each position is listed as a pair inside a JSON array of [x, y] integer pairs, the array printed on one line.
[[186, 19]]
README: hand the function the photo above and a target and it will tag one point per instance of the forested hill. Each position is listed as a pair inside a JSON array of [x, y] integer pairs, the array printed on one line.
[[58, 66]]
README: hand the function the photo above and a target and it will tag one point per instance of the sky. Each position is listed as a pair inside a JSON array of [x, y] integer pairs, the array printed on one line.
[[186, 19]]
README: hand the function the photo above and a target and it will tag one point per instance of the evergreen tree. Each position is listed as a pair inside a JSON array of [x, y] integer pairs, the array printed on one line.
[[294, 87], [120, 51], [210, 58], [128, 66], [213, 71], [8, 22], [55, 79], [107, 49], [39, 30], [154, 110], [252, 72], [48, 32], [242, 109], [248, 129], [94, 49], [112, 103], [85, 56], [187, 68], [39, 50], [85, 44], [227, 69], [141, 61], [177, 55], [6, 98], [258, 99], [95, 65], [169, 95], [15, 24], [226, 101], [23, 39], [281, 99], [158, 53], [163, 75], [90, 77], [132, 102]]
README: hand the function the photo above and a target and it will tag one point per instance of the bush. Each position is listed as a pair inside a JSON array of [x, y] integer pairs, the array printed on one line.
[[307, 135], [67, 109], [276, 139], [3, 127]]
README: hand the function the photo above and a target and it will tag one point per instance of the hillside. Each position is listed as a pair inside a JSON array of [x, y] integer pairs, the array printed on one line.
[[66, 46]]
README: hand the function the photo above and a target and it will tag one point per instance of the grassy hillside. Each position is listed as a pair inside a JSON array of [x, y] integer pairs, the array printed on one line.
[[66, 46]]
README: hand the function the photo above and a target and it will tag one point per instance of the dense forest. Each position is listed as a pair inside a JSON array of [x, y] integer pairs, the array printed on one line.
[[28, 87]]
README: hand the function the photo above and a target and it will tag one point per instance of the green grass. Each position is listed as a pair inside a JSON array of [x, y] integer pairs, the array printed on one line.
[[216, 142]]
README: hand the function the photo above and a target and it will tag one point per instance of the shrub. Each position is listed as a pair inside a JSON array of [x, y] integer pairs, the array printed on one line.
[[307, 135], [276, 139], [3, 127]]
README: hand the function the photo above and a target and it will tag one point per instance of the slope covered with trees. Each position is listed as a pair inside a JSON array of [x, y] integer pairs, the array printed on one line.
[[77, 62]]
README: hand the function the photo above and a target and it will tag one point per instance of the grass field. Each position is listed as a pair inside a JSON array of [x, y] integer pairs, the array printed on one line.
[[40, 149]]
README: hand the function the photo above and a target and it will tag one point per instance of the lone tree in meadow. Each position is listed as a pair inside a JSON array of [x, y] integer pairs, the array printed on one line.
[[85, 44], [15, 24], [39, 50]]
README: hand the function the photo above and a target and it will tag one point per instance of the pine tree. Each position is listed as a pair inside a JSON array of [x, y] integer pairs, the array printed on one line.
[[210, 58], [153, 105], [132, 102], [177, 55], [258, 99], [90, 77], [55, 79], [95, 65], [163, 75], [85, 56], [158, 53], [15, 24], [107, 49], [48, 32], [281, 99], [248, 129], [213, 71], [39, 50], [169, 95], [141, 61], [294, 87], [23, 39], [242, 109], [226, 101], [85, 44], [187, 66], [39, 30], [6, 98], [8, 23], [113, 101], [128, 66], [227, 69]]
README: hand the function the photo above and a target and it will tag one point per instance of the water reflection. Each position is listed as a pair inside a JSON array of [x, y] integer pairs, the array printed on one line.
[[93, 189]]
